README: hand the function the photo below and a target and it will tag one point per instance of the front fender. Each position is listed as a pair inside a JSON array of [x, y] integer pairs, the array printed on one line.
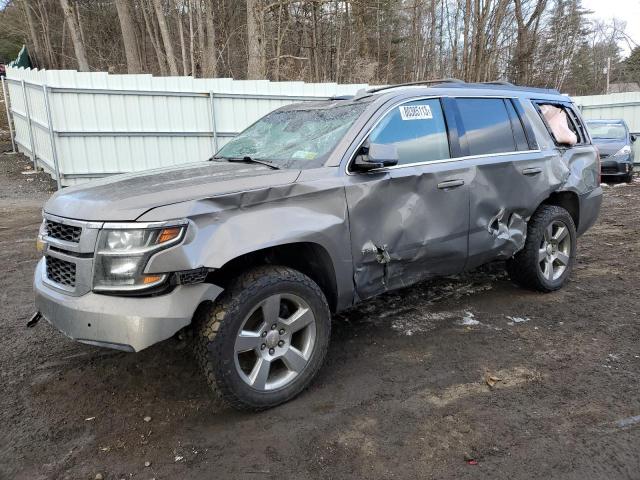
[[222, 229]]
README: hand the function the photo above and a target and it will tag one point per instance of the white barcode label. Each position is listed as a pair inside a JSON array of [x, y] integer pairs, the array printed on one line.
[[416, 112]]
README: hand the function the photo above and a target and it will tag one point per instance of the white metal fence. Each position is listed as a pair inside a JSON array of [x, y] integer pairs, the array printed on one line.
[[614, 106], [78, 126]]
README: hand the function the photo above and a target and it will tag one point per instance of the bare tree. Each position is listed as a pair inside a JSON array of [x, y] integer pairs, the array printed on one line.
[[210, 54], [74, 32], [256, 51], [129, 38], [549, 43], [34, 38], [166, 38], [527, 33]]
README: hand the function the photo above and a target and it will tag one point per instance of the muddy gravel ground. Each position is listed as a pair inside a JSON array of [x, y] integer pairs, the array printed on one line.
[[404, 392]]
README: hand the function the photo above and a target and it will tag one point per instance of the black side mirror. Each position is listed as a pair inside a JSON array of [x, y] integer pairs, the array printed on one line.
[[633, 138], [376, 155]]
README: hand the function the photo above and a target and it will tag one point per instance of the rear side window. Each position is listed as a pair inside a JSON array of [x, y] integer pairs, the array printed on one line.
[[573, 122], [418, 131], [487, 126]]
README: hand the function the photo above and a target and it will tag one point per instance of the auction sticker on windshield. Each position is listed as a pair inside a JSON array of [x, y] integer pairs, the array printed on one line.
[[416, 112]]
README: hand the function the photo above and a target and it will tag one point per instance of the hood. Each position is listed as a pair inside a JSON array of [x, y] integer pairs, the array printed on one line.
[[126, 197], [608, 147]]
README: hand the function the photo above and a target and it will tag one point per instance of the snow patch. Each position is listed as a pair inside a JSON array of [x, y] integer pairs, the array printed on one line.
[[514, 320], [469, 319]]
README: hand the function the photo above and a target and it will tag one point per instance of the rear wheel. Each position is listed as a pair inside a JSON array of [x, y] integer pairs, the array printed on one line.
[[546, 261], [265, 339]]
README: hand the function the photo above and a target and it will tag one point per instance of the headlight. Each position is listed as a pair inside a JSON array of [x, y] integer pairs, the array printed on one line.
[[626, 150], [122, 256]]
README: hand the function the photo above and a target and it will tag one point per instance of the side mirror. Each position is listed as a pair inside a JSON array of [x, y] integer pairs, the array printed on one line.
[[633, 138], [376, 155]]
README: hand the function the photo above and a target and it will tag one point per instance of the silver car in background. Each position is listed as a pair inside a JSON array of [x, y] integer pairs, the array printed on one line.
[[615, 144]]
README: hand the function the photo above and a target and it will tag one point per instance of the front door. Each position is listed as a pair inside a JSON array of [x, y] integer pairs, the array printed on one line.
[[410, 221]]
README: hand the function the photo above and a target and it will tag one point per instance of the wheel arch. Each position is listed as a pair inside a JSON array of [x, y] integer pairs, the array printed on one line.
[[309, 258], [567, 200]]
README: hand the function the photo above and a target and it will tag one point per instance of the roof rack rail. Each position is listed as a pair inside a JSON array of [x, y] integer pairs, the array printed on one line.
[[499, 82], [419, 82]]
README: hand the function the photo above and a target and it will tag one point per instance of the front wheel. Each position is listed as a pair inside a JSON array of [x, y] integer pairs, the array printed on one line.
[[265, 339], [546, 261]]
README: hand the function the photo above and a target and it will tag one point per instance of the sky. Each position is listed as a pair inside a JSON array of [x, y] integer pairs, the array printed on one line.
[[626, 10]]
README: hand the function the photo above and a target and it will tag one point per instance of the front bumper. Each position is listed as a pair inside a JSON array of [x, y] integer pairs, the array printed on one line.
[[616, 168], [123, 323]]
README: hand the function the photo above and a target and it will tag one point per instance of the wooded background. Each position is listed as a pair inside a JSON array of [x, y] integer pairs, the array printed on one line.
[[551, 43]]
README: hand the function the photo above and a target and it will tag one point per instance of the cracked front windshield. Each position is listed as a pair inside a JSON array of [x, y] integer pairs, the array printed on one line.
[[294, 138]]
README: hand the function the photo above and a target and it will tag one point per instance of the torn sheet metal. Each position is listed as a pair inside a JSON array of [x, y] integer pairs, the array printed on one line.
[[509, 234]]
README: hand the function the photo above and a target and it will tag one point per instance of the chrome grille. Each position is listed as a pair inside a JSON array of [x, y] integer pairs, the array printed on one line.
[[60, 231], [61, 271]]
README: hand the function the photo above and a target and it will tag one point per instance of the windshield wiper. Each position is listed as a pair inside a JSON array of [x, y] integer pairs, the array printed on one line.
[[248, 159]]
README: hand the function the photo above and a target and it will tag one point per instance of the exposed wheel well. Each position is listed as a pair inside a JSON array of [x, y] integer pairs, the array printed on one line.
[[568, 201], [309, 258]]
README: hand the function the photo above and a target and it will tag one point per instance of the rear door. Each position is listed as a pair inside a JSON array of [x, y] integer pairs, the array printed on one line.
[[410, 221], [511, 175]]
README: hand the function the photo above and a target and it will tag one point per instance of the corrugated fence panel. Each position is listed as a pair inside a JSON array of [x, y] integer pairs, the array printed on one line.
[[103, 124], [614, 106]]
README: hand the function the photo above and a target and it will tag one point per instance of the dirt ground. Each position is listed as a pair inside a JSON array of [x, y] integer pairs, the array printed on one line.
[[403, 393]]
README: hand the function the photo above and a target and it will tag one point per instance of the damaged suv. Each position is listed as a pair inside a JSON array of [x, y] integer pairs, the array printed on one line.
[[312, 209]]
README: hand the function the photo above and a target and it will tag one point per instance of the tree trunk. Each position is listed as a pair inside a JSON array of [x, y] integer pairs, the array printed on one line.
[[191, 37], [155, 41], [183, 47], [256, 64], [166, 38], [129, 36], [201, 37], [38, 58], [210, 54], [74, 33]]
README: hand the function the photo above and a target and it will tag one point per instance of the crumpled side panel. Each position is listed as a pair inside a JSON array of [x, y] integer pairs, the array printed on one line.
[[232, 225], [404, 228]]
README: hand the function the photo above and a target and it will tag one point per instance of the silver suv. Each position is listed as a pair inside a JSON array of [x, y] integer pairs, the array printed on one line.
[[310, 210]]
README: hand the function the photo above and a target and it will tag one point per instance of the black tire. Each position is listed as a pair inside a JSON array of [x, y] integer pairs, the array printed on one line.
[[218, 326], [524, 268], [628, 178]]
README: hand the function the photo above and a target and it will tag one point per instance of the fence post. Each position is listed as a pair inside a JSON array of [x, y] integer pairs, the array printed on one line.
[[6, 104], [32, 146], [213, 122], [52, 136]]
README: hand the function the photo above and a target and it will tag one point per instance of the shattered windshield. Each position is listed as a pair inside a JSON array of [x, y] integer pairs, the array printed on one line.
[[608, 131], [294, 138]]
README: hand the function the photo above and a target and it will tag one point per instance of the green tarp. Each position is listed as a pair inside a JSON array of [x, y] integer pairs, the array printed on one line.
[[22, 60]]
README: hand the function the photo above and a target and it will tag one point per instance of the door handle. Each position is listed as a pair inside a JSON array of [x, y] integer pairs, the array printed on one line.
[[450, 184], [532, 171]]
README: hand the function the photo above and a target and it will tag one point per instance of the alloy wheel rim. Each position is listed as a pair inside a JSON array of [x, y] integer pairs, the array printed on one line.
[[555, 251], [275, 342]]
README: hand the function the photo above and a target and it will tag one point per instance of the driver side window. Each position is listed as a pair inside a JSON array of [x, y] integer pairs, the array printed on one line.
[[418, 131]]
